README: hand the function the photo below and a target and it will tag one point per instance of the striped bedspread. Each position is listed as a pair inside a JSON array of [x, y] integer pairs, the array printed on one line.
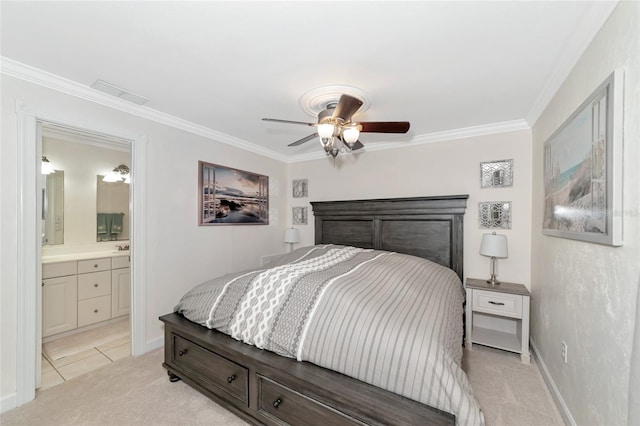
[[388, 319]]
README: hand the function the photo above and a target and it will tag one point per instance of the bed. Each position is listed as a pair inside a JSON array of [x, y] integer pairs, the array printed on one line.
[[327, 345]]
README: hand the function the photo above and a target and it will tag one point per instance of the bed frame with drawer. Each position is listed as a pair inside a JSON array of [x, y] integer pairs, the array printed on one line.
[[264, 388]]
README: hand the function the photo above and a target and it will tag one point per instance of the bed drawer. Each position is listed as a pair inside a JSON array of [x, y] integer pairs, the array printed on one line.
[[491, 302], [213, 370], [291, 407]]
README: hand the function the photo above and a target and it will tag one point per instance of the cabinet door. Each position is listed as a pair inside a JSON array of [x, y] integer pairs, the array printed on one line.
[[59, 305], [120, 292]]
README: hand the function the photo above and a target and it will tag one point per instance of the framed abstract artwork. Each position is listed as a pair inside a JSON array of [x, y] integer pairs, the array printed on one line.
[[300, 215], [300, 188], [229, 196], [583, 170], [494, 214], [496, 174]]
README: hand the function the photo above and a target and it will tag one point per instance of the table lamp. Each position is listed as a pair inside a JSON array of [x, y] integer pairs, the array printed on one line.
[[494, 246], [291, 236]]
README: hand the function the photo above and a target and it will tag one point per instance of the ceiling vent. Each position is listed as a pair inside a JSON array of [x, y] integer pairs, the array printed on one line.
[[114, 90]]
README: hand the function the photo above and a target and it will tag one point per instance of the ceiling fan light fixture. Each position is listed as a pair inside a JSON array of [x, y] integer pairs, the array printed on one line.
[[325, 130], [350, 135]]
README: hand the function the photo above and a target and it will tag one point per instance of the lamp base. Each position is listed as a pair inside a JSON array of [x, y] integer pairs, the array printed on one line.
[[493, 280]]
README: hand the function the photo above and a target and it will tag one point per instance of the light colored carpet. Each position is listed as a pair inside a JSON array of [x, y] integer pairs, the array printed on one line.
[[137, 391], [133, 391], [509, 392]]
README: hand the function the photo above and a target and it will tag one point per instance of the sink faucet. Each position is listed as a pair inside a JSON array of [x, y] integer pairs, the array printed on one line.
[[123, 248]]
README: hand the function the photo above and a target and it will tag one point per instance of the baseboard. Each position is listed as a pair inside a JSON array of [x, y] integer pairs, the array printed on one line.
[[553, 389], [8, 403], [154, 344]]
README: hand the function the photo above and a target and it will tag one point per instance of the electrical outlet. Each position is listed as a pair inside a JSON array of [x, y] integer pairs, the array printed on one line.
[[564, 352]]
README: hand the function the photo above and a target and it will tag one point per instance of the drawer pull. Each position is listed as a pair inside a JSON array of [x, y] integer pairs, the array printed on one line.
[[231, 378], [95, 311], [277, 403], [42, 283], [95, 285], [496, 303], [182, 352], [95, 266]]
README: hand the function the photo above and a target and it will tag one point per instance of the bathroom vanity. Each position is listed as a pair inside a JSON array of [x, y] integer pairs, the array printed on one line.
[[84, 289]]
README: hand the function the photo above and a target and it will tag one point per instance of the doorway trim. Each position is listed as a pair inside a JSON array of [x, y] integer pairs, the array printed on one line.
[[29, 250]]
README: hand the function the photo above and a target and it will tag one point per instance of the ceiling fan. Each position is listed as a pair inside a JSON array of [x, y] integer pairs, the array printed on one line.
[[338, 132]]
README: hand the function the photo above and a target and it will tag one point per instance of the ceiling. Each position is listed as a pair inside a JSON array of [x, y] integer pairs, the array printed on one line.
[[450, 68]]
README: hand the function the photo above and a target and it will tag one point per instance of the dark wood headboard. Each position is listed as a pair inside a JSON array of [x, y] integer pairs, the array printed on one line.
[[428, 227]]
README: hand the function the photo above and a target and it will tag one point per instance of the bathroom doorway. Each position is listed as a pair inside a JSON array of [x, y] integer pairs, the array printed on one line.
[[86, 292]]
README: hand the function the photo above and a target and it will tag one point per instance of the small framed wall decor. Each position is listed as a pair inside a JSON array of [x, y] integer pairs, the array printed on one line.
[[300, 188], [496, 174], [495, 214], [300, 215]]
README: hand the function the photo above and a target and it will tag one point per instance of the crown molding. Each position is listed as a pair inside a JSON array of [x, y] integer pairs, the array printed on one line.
[[588, 27], [37, 76], [43, 78]]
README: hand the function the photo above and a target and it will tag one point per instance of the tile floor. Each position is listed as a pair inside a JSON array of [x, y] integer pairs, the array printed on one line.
[[83, 352]]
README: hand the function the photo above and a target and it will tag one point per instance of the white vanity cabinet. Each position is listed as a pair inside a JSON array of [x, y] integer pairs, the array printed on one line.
[[94, 291], [60, 297], [78, 293], [120, 286]]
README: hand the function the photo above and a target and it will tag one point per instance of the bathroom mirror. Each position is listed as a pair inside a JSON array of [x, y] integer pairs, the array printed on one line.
[[53, 208], [112, 222]]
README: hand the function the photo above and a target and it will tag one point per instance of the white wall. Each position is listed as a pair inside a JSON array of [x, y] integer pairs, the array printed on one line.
[[444, 168], [180, 254], [584, 294]]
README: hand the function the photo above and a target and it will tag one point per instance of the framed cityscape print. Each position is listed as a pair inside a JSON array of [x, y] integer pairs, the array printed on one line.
[[229, 196], [583, 170]]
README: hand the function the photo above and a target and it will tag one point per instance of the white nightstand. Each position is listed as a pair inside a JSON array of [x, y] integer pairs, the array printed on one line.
[[508, 302]]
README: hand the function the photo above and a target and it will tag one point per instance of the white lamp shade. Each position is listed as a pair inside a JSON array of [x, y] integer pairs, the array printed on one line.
[[350, 134], [494, 245], [325, 130], [292, 235]]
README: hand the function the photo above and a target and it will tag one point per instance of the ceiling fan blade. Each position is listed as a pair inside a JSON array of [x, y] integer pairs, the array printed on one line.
[[384, 126], [275, 120], [347, 106], [303, 140], [356, 146]]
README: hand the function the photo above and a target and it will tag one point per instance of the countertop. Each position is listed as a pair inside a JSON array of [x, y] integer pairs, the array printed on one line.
[[84, 255]]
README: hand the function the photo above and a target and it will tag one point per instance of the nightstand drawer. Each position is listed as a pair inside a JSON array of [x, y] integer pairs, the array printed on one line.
[[493, 302]]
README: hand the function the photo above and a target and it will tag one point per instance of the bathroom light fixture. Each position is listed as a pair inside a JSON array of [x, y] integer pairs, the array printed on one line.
[[495, 246], [47, 167], [120, 173]]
